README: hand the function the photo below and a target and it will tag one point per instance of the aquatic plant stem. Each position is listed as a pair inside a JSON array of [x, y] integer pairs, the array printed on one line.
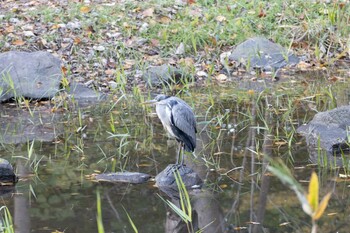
[[314, 227]]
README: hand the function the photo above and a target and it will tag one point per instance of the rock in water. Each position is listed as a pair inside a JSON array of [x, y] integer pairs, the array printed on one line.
[[157, 76], [84, 96], [35, 75], [7, 174], [124, 177], [328, 130], [166, 182], [261, 53], [19, 125]]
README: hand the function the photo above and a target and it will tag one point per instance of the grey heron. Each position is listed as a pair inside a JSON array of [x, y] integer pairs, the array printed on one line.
[[178, 120]]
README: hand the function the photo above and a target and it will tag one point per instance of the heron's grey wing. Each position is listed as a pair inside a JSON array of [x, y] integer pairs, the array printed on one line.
[[183, 124], [192, 119]]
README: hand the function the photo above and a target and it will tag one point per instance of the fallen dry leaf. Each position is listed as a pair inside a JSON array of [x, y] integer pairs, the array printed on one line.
[[335, 78], [18, 42], [262, 13], [280, 143], [77, 40], [303, 65], [221, 77], [128, 64], [188, 61], [202, 73], [250, 92], [85, 9], [220, 18], [64, 70], [155, 42], [10, 29], [109, 72], [148, 12], [164, 20]]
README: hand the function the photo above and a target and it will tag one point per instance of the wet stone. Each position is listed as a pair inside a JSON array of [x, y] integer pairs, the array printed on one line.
[[35, 75], [83, 95], [328, 130], [124, 177], [157, 76], [18, 125], [166, 182], [7, 175], [261, 53]]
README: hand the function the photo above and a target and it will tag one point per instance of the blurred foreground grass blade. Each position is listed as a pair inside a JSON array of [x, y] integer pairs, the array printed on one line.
[[131, 222], [99, 213], [6, 224], [281, 171], [184, 197], [183, 215], [185, 210], [312, 196], [322, 207]]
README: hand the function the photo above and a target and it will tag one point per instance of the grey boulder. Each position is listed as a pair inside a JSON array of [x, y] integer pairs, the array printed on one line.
[[157, 76], [35, 75], [328, 130], [259, 52], [7, 174], [84, 96]]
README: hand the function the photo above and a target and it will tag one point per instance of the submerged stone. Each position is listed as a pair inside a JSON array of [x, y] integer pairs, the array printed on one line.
[[124, 177], [328, 131], [83, 95], [35, 75], [157, 76], [166, 181], [18, 125], [259, 52], [7, 175]]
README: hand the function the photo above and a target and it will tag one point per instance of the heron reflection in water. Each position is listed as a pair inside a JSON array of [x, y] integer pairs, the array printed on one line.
[[178, 120]]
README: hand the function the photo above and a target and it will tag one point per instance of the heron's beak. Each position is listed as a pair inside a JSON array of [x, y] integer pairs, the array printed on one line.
[[149, 102]]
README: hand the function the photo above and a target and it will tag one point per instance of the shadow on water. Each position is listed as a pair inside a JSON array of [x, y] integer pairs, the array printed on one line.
[[55, 154]]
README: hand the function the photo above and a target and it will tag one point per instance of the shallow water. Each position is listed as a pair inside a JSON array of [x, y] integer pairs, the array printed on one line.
[[55, 193]]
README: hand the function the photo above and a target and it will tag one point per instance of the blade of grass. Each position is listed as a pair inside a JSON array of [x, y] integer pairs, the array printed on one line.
[[131, 222], [99, 214]]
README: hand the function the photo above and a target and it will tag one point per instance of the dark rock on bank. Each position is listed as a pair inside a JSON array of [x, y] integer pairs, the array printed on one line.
[[124, 177], [328, 130], [35, 75], [7, 175], [261, 53]]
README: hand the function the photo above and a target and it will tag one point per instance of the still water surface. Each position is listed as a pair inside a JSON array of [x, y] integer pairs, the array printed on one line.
[[55, 193]]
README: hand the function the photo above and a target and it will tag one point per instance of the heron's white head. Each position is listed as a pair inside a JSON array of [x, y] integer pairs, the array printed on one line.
[[157, 99], [161, 97]]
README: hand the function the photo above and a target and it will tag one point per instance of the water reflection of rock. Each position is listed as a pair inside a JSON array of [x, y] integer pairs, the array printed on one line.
[[207, 214], [21, 202], [40, 123], [21, 125]]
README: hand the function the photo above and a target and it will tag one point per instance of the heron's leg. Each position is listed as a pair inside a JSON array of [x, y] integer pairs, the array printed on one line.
[[179, 153], [182, 154]]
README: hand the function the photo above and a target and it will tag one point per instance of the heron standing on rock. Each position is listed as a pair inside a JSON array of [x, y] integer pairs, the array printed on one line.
[[178, 120]]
